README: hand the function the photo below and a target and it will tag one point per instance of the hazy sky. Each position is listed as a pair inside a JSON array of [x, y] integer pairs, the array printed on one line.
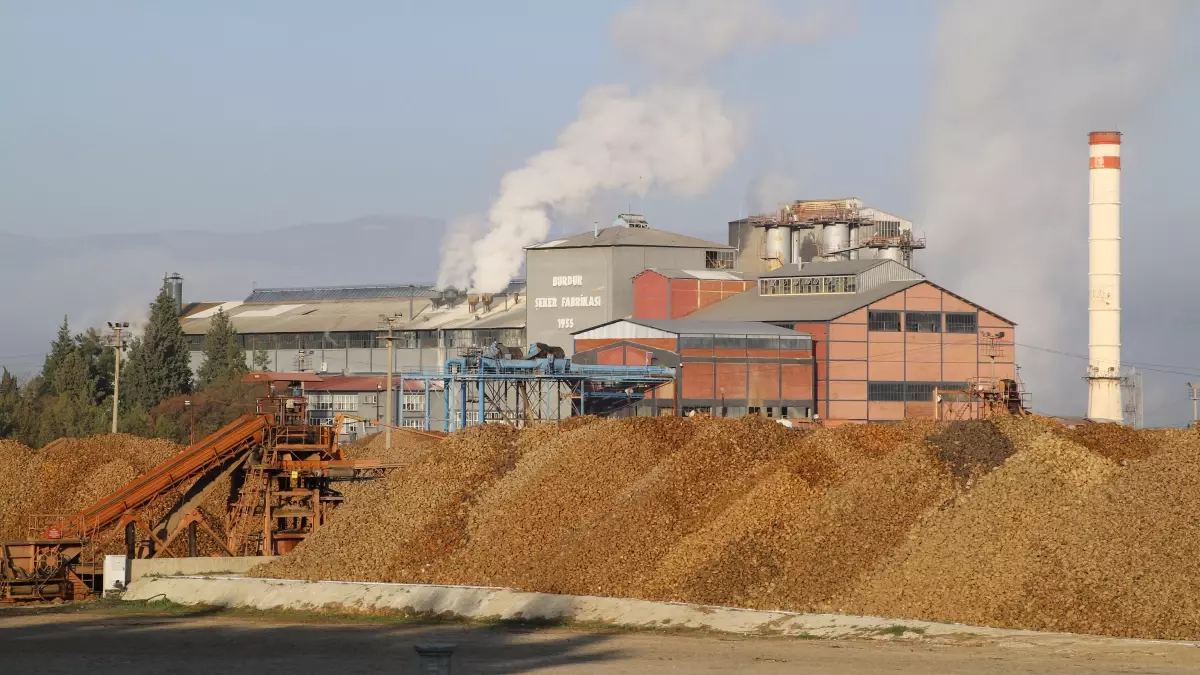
[[145, 117]]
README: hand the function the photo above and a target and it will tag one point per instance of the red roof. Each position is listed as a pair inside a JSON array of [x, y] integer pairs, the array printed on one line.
[[367, 383], [281, 377]]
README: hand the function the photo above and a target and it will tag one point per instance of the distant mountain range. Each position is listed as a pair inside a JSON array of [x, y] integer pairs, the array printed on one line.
[[97, 278]]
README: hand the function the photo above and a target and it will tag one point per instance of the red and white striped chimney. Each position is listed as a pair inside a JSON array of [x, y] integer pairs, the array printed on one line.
[[1104, 277]]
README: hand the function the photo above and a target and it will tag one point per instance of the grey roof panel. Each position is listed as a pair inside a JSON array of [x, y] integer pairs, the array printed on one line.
[[629, 236], [750, 306], [365, 292], [822, 268], [701, 327]]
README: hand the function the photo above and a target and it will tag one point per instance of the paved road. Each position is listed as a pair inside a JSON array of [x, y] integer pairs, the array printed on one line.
[[105, 640]]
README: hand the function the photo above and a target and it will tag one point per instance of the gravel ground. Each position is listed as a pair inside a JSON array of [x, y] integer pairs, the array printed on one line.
[[102, 639]]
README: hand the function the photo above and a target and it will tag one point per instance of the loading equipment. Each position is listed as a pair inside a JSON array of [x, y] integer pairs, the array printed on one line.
[[282, 469]]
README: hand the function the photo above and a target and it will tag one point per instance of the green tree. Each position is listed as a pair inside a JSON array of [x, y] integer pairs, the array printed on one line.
[[224, 356], [100, 361], [10, 395], [62, 346], [262, 360], [159, 365]]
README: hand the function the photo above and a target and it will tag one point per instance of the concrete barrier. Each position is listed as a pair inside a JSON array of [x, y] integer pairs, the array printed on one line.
[[480, 603], [167, 567]]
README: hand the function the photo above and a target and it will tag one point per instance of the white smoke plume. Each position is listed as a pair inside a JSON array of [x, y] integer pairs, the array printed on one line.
[[1017, 86], [677, 134], [682, 36], [769, 190], [457, 263]]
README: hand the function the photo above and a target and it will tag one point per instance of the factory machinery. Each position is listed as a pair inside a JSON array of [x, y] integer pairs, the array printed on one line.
[[282, 469], [514, 386]]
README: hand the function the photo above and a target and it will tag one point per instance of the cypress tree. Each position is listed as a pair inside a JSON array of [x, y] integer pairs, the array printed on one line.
[[62, 346], [224, 356], [159, 365]]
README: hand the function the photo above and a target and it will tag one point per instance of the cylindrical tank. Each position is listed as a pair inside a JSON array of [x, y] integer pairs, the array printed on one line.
[[837, 238], [891, 253], [854, 241], [797, 244], [779, 245], [174, 286]]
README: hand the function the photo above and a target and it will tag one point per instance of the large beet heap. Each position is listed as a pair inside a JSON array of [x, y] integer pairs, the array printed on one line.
[[1022, 523]]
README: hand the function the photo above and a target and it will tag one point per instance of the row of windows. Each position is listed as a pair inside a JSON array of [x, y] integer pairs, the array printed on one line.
[[769, 342], [846, 283], [923, 322], [336, 402], [718, 260], [908, 391], [414, 402], [412, 339]]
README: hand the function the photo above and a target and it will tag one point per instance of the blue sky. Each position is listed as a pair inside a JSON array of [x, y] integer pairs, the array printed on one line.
[[139, 116], [147, 117]]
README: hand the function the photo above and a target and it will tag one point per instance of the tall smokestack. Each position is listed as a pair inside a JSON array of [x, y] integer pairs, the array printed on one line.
[[1104, 277]]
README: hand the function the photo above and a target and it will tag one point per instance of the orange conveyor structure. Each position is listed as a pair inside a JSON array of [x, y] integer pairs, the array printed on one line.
[[235, 438]]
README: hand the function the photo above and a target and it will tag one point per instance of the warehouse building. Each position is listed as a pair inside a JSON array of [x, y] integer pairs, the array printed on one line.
[[340, 330], [726, 368], [885, 338]]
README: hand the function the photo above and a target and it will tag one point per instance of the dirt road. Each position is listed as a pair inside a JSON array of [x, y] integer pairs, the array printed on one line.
[[105, 639]]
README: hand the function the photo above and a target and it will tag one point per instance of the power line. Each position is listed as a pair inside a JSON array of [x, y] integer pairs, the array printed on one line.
[[1154, 367]]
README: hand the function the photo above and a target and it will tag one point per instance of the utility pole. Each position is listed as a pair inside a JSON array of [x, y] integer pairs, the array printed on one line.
[[191, 423], [1195, 389], [389, 322], [117, 344]]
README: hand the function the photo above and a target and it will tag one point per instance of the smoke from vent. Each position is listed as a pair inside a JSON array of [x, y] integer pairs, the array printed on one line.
[[1017, 86], [677, 134]]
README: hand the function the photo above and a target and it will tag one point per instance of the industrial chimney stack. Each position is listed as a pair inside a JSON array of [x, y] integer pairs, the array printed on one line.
[[1104, 277]]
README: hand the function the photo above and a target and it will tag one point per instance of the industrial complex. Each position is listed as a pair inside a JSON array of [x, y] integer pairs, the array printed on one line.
[[813, 313]]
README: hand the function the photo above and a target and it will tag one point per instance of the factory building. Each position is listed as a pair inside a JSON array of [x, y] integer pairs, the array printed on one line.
[[340, 330], [587, 279], [836, 324], [726, 368], [885, 338]]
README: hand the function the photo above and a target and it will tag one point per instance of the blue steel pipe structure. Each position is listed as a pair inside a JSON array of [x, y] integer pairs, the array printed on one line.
[[522, 390]]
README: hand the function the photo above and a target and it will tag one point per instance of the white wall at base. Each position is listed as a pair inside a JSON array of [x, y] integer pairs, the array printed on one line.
[[116, 573]]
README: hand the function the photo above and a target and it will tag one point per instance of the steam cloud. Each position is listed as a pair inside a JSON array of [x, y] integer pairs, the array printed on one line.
[[677, 134], [1017, 85]]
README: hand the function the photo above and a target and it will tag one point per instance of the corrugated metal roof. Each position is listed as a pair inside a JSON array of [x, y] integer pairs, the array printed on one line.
[[269, 376], [630, 236], [366, 292], [367, 383], [709, 275], [699, 327], [363, 315], [826, 268], [750, 306]]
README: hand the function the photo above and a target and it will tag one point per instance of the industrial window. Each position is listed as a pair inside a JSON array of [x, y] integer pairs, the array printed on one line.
[[414, 423], [885, 391], [338, 402], [801, 342], [718, 260], [696, 342], [887, 228], [923, 322], [918, 391], [762, 342], [729, 341], [414, 402], [884, 321], [842, 283], [962, 322], [913, 392]]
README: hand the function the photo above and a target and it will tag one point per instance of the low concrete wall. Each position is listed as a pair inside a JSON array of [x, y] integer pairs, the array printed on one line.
[[167, 567], [499, 603]]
